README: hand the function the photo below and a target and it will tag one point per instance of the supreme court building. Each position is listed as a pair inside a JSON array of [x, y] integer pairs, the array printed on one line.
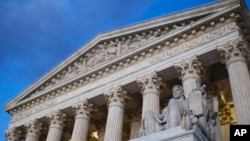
[[102, 91]]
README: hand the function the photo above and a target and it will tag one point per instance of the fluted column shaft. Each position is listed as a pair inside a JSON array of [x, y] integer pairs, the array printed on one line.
[[83, 111], [116, 98], [233, 54], [101, 129], [13, 134], [151, 88], [135, 124], [189, 83], [240, 86], [190, 71], [33, 130], [56, 119]]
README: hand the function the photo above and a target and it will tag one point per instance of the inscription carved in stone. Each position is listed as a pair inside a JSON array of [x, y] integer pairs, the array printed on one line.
[[204, 38]]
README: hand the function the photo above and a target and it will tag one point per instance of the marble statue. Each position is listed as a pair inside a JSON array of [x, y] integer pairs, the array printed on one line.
[[176, 113], [198, 113]]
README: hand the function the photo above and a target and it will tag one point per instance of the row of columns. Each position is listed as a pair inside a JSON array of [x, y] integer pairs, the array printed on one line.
[[233, 53]]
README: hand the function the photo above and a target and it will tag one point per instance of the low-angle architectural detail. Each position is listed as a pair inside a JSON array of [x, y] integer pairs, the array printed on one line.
[[182, 76]]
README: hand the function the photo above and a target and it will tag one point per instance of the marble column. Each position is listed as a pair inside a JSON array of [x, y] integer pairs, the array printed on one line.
[[190, 72], [135, 124], [13, 134], [151, 87], [101, 129], [234, 54], [56, 120], [116, 99], [34, 128], [83, 111]]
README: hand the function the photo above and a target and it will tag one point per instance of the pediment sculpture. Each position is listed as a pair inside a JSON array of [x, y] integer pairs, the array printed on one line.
[[198, 112]]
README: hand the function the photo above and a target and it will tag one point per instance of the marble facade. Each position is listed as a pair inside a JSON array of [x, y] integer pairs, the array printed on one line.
[[103, 91]]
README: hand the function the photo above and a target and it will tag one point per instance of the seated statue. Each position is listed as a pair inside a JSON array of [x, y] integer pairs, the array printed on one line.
[[196, 112], [151, 123], [177, 112]]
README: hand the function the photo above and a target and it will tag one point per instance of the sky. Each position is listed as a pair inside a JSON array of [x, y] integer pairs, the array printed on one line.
[[36, 35]]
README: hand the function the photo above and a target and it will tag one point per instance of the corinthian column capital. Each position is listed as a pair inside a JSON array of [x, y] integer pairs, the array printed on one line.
[[189, 67], [34, 128], [84, 109], [150, 82], [116, 96], [13, 134], [57, 119], [233, 50]]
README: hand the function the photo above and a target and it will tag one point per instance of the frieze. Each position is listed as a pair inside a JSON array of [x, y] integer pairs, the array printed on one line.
[[106, 51], [33, 110], [201, 39]]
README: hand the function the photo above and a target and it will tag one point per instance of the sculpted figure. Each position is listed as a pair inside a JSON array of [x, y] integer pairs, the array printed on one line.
[[151, 123], [205, 109], [198, 112], [102, 53], [112, 50], [177, 112]]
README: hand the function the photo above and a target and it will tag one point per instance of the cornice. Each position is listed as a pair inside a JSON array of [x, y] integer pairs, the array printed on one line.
[[117, 63]]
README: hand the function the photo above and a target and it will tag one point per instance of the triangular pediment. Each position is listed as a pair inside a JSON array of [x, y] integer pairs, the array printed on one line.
[[111, 46]]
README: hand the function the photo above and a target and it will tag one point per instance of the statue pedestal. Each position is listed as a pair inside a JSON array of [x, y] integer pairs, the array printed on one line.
[[173, 134]]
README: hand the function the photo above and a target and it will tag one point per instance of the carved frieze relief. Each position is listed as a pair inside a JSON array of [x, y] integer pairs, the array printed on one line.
[[33, 110], [192, 43], [106, 51]]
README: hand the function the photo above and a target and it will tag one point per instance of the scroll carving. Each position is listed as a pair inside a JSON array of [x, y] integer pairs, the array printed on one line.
[[190, 66], [57, 119], [34, 127], [117, 96], [13, 134], [84, 109], [232, 49], [150, 82]]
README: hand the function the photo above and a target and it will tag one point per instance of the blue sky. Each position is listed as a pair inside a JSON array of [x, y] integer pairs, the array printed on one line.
[[35, 35]]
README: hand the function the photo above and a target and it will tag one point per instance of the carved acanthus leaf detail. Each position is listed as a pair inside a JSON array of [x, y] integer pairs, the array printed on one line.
[[116, 95], [189, 66], [13, 134], [84, 109], [231, 49], [150, 82], [34, 127], [57, 118]]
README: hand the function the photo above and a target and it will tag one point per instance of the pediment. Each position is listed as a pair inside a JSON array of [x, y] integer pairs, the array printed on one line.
[[111, 46]]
